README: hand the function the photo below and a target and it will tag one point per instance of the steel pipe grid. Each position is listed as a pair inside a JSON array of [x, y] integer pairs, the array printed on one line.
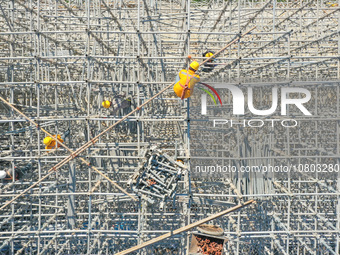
[[60, 59]]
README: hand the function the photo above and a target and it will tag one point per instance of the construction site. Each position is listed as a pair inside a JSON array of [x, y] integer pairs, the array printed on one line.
[[100, 156]]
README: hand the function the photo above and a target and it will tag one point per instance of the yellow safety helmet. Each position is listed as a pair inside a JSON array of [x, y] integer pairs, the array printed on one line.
[[194, 65], [47, 140], [209, 54], [332, 4], [106, 104]]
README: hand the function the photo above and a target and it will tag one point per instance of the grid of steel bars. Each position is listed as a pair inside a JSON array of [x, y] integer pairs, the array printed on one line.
[[60, 59]]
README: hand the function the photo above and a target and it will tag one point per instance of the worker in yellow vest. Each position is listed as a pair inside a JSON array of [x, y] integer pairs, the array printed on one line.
[[52, 144], [187, 80]]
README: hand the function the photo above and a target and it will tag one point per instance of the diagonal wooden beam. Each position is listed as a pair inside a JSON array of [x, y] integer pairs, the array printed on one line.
[[71, 151], [94, 140], [184, 229]]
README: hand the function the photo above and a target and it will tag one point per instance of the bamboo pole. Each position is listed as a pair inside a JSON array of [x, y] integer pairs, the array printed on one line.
[[74, 154], [184, 229], [63, 145], [225, 47], [95, 187]]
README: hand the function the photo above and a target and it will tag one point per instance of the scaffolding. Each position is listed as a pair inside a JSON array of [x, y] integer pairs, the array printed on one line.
[[60, 59]]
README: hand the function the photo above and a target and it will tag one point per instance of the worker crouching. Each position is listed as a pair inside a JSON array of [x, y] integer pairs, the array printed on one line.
[[8, 175], [187, 80], [18, 172], [117, 103], [52, 144]]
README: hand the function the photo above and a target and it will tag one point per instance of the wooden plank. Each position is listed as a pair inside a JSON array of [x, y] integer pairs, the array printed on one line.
[[184, 229]]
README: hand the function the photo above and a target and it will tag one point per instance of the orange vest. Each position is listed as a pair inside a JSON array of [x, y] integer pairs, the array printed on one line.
[[52, 145], [186, 78]]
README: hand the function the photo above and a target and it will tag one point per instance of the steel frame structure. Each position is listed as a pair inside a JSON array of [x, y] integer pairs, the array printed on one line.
[[60, 59]]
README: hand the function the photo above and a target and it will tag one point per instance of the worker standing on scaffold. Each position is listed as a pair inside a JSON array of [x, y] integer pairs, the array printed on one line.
[[187, 80], [51, 143]]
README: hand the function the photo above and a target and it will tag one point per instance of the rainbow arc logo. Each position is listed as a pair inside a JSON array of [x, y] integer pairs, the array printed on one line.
[[209, 93]]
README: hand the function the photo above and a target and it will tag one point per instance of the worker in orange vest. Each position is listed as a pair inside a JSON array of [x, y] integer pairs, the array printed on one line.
[[187, 80], [51, 143]]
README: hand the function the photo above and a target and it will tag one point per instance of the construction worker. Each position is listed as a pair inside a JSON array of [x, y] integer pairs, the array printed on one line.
[[208, 66], [51, 143], [7, 175], [332, 4], [18, 172], [187, 80], [117, 103]]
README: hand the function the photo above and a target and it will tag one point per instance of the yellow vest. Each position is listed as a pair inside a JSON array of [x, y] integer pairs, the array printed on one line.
[[52, 145], [186, 78]]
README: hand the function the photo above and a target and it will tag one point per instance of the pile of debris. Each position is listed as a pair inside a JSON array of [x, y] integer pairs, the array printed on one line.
[[157, 176], [210, 240], [206, 246]]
